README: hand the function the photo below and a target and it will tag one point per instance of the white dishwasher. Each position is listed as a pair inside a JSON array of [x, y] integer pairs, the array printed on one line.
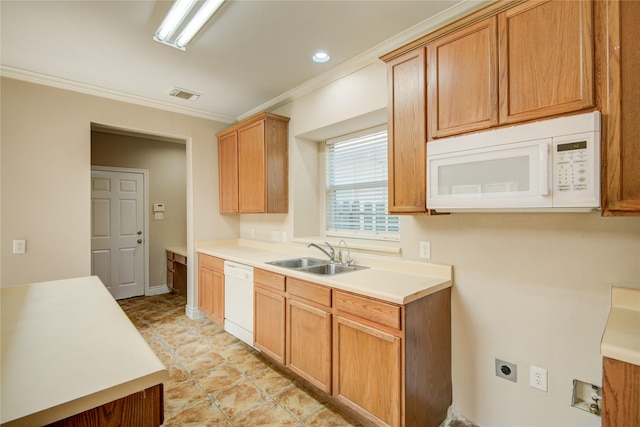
[[238, 301]]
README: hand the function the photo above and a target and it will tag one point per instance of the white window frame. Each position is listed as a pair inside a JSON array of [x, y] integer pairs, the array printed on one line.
[[389, 227]]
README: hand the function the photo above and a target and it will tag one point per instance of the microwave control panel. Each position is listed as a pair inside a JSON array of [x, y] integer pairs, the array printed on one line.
[[571, 163]]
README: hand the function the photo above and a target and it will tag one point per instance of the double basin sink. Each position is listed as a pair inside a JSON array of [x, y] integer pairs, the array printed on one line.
[[316, 266]]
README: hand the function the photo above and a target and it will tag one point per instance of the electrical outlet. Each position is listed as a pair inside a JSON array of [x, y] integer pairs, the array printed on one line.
[[425, 250], [283, 236], [538, 378], [507, 370]]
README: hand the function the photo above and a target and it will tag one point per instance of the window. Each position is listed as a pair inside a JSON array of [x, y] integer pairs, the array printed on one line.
[[357, 202]]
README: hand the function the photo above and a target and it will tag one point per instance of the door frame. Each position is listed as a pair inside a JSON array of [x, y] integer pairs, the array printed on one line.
[[145, 213]]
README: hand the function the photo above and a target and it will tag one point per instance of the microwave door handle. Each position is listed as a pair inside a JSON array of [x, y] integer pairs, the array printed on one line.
[[544, 169]]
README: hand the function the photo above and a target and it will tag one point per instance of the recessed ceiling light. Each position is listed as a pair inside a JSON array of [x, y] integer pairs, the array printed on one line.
[[321, 57]]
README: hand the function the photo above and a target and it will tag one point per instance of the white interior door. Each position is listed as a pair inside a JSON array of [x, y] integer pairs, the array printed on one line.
[[117, 231]]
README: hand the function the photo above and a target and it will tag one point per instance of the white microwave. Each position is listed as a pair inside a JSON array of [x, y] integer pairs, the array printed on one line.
[[551, 165]]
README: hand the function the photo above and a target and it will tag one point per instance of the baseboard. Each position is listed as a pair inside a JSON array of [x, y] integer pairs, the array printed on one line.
[[157, 290], [193, 313]]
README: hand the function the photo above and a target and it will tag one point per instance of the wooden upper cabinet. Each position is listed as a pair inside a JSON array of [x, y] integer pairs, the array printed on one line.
[[251, 167], [618, 89], [228, 172], [463, 80], [262, 173], [407, 133], [546, 59]]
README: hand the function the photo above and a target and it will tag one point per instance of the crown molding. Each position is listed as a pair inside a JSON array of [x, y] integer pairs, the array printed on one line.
[[372, 55], [348, 67], [46, 80]]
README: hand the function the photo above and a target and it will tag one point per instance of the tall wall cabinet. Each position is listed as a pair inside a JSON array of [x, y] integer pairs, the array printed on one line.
[[253, 165], [618, 92]]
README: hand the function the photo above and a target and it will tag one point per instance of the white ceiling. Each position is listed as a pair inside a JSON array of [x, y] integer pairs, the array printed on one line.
[[252, 55]]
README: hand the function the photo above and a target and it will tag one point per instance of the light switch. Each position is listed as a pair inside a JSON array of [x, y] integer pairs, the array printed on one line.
[[19, 246]]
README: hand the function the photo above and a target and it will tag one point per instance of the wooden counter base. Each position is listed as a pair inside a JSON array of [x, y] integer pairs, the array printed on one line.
[[141, 409]]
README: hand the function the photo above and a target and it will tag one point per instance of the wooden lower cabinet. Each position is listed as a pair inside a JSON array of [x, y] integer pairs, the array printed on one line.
[[387, 364], [308, 340], [392, 363], [269, 314], [620, 393], [367, 370], [211, 287]]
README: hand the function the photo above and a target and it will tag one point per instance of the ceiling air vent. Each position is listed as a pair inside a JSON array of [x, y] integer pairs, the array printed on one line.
[[184, 94]]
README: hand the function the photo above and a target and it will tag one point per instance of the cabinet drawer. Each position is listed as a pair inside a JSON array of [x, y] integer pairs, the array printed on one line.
[[211, 262], [376, 311], [169, 265], [180, 259], [169, 256], [268, 279], [309, 291]]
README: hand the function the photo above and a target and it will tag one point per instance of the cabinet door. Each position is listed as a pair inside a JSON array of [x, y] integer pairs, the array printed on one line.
[[309, 343], [269, 326], [618, 86], [367, 370], [620, 393], [407, 133], [205, 290], [546, 59], [228, 172], [251, 168], [463, 80]]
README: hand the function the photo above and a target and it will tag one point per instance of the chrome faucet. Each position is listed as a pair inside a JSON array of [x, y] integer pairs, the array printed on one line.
[[331, 254], [349, 260]]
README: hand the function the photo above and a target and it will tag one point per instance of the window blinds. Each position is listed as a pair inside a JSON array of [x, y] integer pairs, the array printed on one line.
[[356, 173]]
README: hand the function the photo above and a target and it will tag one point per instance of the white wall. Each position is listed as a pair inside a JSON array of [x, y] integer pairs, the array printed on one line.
[[46, 139], [532, 289]]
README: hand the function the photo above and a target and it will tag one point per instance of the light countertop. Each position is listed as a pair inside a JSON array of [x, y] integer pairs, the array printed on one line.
[[388, 279], [180, 250], [67, 346], [621, 338]]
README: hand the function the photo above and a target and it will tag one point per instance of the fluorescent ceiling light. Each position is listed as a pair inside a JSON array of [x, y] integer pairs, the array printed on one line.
[[177, 14]]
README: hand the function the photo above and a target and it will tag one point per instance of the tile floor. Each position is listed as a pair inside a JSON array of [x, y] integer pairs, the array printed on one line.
[[216, 379]]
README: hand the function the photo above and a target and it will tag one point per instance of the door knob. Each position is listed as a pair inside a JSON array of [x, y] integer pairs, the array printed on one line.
[[139, 233], [139, 240]]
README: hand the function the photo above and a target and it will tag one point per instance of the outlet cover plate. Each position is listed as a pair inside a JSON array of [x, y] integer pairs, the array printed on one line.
[[507, 370]]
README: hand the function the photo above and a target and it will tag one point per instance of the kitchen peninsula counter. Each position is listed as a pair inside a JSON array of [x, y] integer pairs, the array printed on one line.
[[392, 280], [68, 347]]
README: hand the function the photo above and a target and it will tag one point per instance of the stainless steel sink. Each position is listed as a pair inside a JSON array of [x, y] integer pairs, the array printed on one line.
[[297, 263], [315, 266], [331, 269]]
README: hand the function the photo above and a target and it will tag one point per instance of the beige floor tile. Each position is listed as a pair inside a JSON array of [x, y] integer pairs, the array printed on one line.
[[177, 374], [298, 402], [182, 395], [221, 378], [268, 414], [240, 398], [328, 418], [236, 351], [202, 414], [272, 381], [180, 339], [193, 349], [251, 365], [204, 363], [223, 341]]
